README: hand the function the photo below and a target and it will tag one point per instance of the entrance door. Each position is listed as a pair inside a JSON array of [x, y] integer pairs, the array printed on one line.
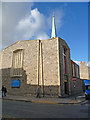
[[65, 87]]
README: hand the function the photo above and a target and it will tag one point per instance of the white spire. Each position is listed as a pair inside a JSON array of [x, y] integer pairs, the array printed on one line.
[[53, 28]]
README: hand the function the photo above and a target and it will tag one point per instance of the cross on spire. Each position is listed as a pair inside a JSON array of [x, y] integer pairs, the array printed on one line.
[[54, 34]]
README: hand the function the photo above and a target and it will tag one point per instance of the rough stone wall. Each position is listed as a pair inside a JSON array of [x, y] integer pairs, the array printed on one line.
[[66, 76], [51, 90], [29, 60], [84, 71], [50, 65], [76, 86], [48, 74], [29, 72], [29, 80]]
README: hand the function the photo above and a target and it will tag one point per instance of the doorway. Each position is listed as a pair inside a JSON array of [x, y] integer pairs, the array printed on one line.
[[65, 87]]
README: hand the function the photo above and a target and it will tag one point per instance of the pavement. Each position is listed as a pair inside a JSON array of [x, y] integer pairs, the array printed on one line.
[[75, 99]]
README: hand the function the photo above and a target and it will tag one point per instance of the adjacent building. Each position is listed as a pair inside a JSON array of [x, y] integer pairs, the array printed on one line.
[[77, 83], [84, 71]]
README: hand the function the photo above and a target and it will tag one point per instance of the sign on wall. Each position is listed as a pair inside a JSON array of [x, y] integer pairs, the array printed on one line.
[[74, 82], [15, 83], [73, 79]]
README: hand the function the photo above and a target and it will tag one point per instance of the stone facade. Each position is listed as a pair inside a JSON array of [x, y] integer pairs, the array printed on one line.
[[84, 71], [76, 81], [38, 62]]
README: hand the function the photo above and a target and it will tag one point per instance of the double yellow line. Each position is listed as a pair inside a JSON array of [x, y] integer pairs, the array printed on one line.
[[7, 116], [84, 102]]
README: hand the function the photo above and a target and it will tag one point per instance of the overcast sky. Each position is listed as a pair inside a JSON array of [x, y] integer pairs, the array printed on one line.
[[32, 20]]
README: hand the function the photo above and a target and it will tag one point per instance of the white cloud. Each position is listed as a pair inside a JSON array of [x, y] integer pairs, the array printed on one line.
[[77, 62], [37, 26], [42, 36], [33, 26], [21, 22]]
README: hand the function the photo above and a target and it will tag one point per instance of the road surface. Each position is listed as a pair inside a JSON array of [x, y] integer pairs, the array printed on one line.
[[21, 109]]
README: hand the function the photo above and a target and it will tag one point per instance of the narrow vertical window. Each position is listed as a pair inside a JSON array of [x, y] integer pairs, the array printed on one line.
[[64, 60], [77, 71], [73, 65], [17, 62]]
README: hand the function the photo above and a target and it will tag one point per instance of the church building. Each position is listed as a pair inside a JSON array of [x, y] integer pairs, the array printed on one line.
[[27, 64]]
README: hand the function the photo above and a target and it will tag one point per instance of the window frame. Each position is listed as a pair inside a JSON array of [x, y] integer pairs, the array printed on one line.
[[16, 66]]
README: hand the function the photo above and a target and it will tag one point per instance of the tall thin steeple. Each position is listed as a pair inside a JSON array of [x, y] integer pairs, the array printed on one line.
[[53, 34]]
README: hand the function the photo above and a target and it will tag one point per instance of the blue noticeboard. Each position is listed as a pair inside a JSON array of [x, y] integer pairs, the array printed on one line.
[[15, 83]]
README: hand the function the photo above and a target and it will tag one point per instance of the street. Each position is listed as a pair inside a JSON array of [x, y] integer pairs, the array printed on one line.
[[21, 109]]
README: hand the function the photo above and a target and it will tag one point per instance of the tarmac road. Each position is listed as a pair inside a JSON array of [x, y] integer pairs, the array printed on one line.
[[21, 109]]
